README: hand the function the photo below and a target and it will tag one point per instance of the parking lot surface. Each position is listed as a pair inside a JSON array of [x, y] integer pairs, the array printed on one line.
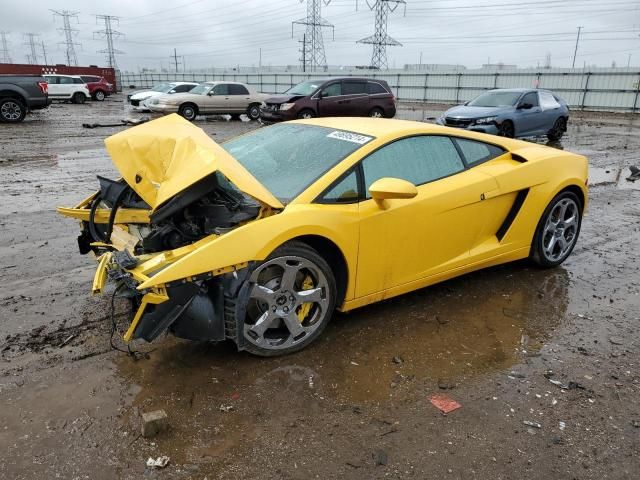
[[543, 362]]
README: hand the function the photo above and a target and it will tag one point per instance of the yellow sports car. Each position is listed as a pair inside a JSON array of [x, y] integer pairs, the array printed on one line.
[[259, 239]]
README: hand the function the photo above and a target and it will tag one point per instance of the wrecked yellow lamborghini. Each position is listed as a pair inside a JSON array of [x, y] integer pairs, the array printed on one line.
[[259, 239]]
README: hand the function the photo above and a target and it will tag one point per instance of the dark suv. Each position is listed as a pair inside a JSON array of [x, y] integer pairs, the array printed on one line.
[[332, 97]]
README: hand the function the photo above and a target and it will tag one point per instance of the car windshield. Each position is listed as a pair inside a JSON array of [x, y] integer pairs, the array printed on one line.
[[162, 88], [201, 89], [496, 99], [304, 88], [287, 158]]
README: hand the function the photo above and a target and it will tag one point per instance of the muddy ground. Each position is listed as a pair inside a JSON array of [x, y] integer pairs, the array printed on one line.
[[356, 403]]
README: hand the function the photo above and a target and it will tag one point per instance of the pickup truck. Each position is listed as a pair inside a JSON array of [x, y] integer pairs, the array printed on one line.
[[20, 94]]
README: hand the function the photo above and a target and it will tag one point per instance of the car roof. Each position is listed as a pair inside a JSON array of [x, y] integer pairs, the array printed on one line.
[[360, 79], [65, 75], [216, 82], [376, 127], [183, 83], [519, 90]]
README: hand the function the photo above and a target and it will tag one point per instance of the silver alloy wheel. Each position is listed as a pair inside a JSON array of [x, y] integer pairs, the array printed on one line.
[[375, 113], [307, 115], [100, 95], [560, 230], [189, 113], [287, 303], [11, 111], [254, 113]]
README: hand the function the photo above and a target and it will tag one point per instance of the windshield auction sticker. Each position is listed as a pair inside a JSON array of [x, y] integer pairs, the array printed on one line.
[[349, 137]]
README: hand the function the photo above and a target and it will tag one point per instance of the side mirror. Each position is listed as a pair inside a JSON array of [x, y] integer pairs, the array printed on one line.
[[172, 91], [525, 106], [323, 94], [389, 188]]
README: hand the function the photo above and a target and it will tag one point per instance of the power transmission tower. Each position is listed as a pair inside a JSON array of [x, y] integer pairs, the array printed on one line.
[[6, 57], [44, 53], [69, 33], [313, 47], [109, 33], [32, 42], [380, 39]]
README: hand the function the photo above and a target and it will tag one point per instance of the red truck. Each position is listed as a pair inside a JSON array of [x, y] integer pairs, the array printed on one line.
[[99, 88]]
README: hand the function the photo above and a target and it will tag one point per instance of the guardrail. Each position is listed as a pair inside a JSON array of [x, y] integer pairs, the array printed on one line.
[[609, 90]]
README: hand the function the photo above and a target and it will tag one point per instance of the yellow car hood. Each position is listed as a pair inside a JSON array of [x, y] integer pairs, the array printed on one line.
[[161, 158]]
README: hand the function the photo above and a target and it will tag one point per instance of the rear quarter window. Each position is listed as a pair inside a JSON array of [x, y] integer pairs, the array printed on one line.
[[475, 152], [375, 87]]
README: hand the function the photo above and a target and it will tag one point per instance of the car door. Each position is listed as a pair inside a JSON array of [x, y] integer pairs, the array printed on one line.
[[53, 87], [330, 100], [551, 110], [67, 86], [406, 240], [217, 100], [528, 120], [239, 97], [355, 98]]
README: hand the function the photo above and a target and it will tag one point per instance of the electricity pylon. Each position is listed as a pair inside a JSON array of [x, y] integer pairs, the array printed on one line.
[[380, 39]]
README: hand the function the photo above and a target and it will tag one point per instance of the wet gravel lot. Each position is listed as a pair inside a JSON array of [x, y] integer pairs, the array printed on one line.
[[558, 348]]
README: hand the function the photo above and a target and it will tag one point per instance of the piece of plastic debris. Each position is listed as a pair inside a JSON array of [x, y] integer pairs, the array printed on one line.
[[354, 363], [226, 408], [159, 462], [532, 424], [562, 425], [554, 401], [444, 403], [154, 423]]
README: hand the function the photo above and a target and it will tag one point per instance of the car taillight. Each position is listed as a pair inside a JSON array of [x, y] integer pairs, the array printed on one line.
[[44, 87]]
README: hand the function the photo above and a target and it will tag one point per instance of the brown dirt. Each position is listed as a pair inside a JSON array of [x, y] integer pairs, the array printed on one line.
[[355, 404]]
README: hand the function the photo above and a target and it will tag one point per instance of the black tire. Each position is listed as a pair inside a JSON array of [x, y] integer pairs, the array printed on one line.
[[558, 130], [287, 253], [507, 129], [12, 110], [540, 255], [188, 111], [253, 112], [79, 97], [99, 95], [376, 112], [306, 113]]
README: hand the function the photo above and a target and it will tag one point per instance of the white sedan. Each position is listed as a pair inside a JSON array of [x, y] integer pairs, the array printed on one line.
[[139, 99]]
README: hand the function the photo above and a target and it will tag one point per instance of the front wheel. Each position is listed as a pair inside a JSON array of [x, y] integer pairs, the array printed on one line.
[[78, 97], [507, 129], [306, 113], [558, 130], [188, 111], [99, 96], [253, 112], [557, 231], [376, 113], [12, 110], [291, 300]]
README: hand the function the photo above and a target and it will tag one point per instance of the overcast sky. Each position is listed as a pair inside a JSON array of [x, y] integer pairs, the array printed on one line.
[[217, 33]]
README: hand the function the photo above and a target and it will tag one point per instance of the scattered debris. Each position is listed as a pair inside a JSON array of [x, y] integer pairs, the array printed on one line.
[[354, 363], [69, 338], [154, 422], [159, 462], [397, 360], [635, 423], [562, 425], [444, 403], [635, 173], [380, 457], [445, 384], [616, 340], [123, 122], [226, 408], [532, 424]]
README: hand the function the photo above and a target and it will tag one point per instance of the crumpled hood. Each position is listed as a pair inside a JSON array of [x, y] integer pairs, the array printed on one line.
[[161, 158], [282, 98], [466, 111]]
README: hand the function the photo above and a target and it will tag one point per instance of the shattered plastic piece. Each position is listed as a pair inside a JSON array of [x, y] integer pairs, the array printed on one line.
[[532, 424], [444, 403], [635, 173], [562, 425], [226, 408], [159, 462]]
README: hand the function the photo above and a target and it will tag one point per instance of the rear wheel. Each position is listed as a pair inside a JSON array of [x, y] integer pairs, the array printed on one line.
[[507, 129], [188, 111], [376, 113], [99, 95], [12, 110], [558, 130], [557, 230], [291, 301], [306, 113], [253, 112], [79, 97]]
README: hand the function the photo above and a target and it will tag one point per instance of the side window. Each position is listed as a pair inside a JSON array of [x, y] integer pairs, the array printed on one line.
[[530, 98], [345, 191], [183, 88], [332, 90], [375, 87], [65, 80], [51, 80], [548, 101], [416, 159], [354, 88], [78, 80], [477, 152], [221, 89], [235, 89]]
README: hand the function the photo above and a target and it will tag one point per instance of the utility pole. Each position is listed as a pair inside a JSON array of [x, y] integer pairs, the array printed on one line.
[[6, 57], [575, 52], [260, 58], [313, 45], [109, 33], [31, 42], [175, 59], [420, 63], [69, 33], [44, 53], [304, 52], [629, 61], [380, 39]]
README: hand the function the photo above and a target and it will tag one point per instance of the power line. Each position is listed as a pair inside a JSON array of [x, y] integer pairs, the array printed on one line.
[[69, 33], [6, 57], [380, 39], [109, 33], [313, 44], [31, 42]]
